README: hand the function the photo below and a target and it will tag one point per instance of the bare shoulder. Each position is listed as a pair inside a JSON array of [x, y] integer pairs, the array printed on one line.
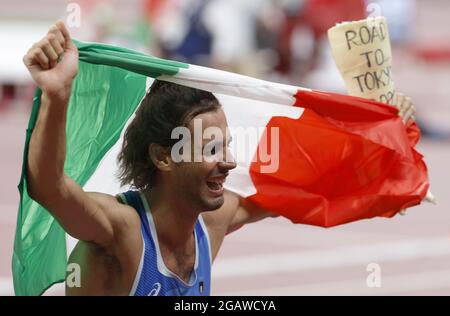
[[121, 214]]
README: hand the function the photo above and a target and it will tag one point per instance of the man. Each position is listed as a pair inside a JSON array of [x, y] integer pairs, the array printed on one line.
[[161, 239]]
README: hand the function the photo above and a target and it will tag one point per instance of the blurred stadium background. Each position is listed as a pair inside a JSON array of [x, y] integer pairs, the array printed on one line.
[[284, 41]]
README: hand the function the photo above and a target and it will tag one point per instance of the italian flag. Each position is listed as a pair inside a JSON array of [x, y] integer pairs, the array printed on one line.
[[334, 159]]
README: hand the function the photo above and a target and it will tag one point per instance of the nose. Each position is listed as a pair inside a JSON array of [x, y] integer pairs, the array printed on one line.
[[228, 163]]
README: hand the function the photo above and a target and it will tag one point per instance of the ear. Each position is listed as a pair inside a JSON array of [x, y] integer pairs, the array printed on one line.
[[160, 157]]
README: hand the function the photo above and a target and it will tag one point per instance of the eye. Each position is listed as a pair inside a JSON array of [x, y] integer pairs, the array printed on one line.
[[210, 150]]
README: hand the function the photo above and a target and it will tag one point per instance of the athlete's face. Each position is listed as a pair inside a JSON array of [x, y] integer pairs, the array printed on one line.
[[199, 178]]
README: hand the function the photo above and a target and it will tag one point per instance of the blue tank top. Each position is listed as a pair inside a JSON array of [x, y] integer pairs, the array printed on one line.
[[153, 277]]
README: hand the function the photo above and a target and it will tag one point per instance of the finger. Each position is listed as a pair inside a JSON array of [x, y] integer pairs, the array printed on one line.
[[27, 59], [33, 46], [54, 30], [55, 44], [409, 114], [401, 113], [404, 107], [37, 56], [409, 107], [49, 51], [399, 97], [405, 104], [62, 27], [42, 59]]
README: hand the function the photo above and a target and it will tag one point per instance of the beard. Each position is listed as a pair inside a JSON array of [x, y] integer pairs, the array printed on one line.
[[198, 195]]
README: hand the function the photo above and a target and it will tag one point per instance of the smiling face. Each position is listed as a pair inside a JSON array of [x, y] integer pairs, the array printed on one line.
[[200, 181]]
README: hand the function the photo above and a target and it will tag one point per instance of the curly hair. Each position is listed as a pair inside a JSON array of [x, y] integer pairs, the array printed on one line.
[[165, 107]]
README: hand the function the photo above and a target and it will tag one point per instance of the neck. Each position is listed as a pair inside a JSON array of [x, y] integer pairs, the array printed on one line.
[[174, 221]]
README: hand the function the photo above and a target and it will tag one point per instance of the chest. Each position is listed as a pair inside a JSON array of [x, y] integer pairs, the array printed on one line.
[[180, 262]]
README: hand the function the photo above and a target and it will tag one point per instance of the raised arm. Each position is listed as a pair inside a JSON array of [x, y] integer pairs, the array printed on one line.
[[86, 216]]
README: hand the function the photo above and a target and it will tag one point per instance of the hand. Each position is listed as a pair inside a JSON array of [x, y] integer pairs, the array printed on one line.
[[405, 106], [53, 76]]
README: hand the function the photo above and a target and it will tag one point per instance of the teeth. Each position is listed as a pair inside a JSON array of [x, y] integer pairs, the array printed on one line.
[[215, 185]]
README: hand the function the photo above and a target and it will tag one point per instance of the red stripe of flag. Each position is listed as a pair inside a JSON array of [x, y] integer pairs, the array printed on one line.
[[343, 160]]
